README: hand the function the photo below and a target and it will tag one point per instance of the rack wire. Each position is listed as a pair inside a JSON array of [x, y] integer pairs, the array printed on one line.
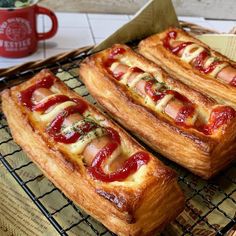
[[205, 201]]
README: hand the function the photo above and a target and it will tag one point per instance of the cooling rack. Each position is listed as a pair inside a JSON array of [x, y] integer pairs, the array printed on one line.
[[210, 205]]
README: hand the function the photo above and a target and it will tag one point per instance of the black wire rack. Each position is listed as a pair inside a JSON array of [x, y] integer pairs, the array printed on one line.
[[210, 205]]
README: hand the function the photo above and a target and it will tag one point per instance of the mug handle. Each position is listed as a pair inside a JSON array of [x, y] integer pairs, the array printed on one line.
[[52, 16]]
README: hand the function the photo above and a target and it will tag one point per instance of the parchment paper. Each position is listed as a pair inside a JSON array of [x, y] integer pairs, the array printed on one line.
[[224, 43], [154, 17]]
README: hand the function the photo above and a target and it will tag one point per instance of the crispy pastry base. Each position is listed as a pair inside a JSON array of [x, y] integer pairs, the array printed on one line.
[[126, 208], [201, 154], [153, 49]]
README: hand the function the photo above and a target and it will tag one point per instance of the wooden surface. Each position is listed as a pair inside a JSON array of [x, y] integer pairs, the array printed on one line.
[[217, 9]]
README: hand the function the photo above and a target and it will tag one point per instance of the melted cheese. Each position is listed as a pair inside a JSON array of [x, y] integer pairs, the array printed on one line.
[[209, 61], [149, 101], [188, 56], [114, 65], [163, 102], [125, 60], [203, 114], [55, 111], [79, 146]]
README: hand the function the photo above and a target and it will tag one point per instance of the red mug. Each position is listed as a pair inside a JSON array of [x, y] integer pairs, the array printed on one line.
[[18, 30]]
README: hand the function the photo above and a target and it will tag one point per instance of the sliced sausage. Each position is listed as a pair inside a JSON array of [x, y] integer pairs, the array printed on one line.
[[132, 76], [119, 70], [113, 162], [140, 87], [227, 74], [173, 107], [93, 148]]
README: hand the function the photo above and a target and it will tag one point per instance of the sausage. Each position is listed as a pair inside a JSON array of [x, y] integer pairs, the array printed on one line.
[[72, 119], [140, 87], [119, 70], [93, 148], [173, 107], [132, 76], [227, 74]]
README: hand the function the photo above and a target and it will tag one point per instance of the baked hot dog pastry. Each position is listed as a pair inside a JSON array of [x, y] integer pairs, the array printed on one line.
[[92, 160], [175, 120], [194, 63]]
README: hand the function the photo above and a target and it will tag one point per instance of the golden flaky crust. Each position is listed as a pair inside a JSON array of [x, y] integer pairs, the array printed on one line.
[[153, 49], [201, 154], [131, 207]]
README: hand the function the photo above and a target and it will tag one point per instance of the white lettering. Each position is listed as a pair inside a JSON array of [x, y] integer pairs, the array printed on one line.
[[15, 46]]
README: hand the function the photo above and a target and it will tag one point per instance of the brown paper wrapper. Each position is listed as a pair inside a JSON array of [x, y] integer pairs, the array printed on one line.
[[18, 214], [154, 17]]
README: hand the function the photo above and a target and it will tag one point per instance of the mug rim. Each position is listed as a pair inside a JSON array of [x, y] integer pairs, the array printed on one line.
[[34, 2]]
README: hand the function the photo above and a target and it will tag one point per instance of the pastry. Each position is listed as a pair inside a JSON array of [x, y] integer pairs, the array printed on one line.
[[91, 159], [173, 119], [194, 63]]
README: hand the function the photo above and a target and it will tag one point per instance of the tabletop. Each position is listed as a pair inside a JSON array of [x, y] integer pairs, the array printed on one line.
[[77, 30]]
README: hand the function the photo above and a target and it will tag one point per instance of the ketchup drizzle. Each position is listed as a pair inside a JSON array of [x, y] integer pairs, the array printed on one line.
[[185, 112], [154, 95], [233, 81], [198, 62], [113, 135], [118, 75], [129, 167], [178, 96], [136, 70], [180, 47], [54, 129], [166, 40], [115, 52], [177, 49], [219, 116], [25, 96]]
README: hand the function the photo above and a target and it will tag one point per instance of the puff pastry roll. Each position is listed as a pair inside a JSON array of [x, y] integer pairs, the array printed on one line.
[[194, 63], [92, 160], [175, 120]]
